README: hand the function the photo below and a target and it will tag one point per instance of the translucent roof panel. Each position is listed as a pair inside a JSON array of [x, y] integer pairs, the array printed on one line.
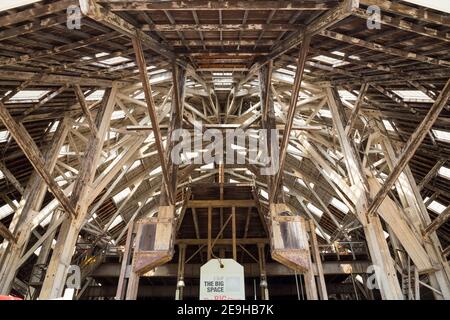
[[444, 172], [339, 205], [10, 4], [334, 62], [115, 60], [413, 96], [4, 134], [346, 95], [325, 113], [28, 95], [388, 125], [54, 126], [443, 6], [116, 221], [121, 195], [436, 207], [316, 211], [442, 135], [96, 95]]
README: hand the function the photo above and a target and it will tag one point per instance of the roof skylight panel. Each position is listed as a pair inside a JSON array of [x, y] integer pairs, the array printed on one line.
[[121, 195], [412, 96], [28, 95], [436, 207], [444, 172], [442, 135], [316, 211], [4, 135]]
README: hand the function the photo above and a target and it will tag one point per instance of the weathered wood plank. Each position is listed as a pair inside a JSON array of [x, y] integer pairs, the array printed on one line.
[[220, 203], [411, 146], [139, 5], [290, 116], [140, 60], [409, 11], [384, 49], [220, 27], [11, 178], [31, 151], [407, 26]]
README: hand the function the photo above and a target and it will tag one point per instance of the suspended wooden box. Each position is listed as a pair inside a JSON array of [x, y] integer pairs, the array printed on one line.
[[154, 241], [288, 238]]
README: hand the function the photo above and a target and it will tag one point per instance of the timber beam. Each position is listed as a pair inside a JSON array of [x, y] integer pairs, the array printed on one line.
[[439, 221], [5, 233], [140, 60], [411, 146], [31, 151], [220, 203], [325, 21], [290, 116], [93, 10], [220, 27], [208, 5]]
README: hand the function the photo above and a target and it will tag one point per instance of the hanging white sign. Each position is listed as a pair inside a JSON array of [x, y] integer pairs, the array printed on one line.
[[222, 280]]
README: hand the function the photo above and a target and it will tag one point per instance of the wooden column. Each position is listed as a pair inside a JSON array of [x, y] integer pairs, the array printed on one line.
[[411, 146], [31, 151], [318, 261], [126, 263], [268, 120], [310, 282], [233, 230], [301, 60], [176, 122], [133, 277], [379, 250], [55, 277], [38, 271], [133, 286], [209, 233], [29, 207], [141, 63], [418, 217]]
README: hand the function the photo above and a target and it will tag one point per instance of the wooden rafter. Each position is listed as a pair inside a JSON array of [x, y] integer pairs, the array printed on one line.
[[31, 150], [411, 146]]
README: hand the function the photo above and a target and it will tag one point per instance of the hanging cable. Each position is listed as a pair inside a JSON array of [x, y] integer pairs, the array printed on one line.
[[354, 287], [254, 288], [301, 286], [296, 285]]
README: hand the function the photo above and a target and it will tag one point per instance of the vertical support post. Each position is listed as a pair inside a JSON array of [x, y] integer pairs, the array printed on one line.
[[209, 233], [417, 216], [262, 272], [310, 283], [168, 192], [29, 207], [180, 278], [302, 57], [315, 250], [416, 284], [133, 279], [55, 277], [140, 61], [38, 271], [233, 227], [378, 247], [268, 120], [126, 264], [133, 286], [411, 146]]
